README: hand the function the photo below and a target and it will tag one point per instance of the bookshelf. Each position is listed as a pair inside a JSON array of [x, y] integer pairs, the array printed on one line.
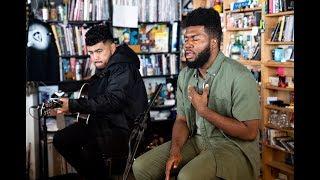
[[274, 157], [278, 33], [241, 36]]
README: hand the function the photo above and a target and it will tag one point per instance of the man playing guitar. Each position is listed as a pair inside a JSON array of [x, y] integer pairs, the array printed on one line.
[[116, 95]]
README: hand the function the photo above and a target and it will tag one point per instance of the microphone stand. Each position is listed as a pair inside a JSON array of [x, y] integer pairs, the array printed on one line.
[[137, 133], [43, 137]]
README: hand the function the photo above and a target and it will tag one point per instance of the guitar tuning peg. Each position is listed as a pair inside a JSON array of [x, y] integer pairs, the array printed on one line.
[[45, 113]]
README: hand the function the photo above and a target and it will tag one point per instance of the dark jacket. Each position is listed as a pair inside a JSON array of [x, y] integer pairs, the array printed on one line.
[[117, 94]]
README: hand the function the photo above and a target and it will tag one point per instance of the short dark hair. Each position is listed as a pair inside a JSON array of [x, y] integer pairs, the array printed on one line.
[[97, 34], [209, 18]]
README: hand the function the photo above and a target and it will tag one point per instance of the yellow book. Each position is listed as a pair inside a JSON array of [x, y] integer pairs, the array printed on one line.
[[53, 27]]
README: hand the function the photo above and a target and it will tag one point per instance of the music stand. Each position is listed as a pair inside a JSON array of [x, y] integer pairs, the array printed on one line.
[[138, 131]]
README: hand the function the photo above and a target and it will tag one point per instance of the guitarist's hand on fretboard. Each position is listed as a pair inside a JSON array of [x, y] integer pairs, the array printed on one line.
[[64, 109]]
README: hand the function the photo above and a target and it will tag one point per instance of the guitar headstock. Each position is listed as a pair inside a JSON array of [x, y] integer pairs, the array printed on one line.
[[53, 103], [47, 107]]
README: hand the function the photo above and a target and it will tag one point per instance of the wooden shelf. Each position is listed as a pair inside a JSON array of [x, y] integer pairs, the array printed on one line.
[[240, 29], [280, 14], [291, 110], [275, 147], [279, 88], [244, 10], [272, 63], [282, 166], [289, 130], [250, 62], [274, 158], [280, 43]]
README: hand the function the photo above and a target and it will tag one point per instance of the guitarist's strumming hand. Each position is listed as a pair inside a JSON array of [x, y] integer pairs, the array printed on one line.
[[65, 106]]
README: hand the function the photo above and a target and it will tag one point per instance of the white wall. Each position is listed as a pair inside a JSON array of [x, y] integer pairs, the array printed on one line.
[[32, 135]]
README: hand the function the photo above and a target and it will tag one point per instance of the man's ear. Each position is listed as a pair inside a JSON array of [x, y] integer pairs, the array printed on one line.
[[213, 43], [113, 47]]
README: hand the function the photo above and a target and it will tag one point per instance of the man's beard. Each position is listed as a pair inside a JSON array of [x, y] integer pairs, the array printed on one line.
[[201, 59]]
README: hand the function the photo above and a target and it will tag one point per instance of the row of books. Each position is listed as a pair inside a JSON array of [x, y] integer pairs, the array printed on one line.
[[280, 139], [85, 10], [276, 6], [150, 65], [154, 10], [76, 69], [284, 30], [69, 39], [149, 37], [92, 10], [164, 64]]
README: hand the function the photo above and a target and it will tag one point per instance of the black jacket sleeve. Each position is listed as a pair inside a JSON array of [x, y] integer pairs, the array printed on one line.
[[114, 98]]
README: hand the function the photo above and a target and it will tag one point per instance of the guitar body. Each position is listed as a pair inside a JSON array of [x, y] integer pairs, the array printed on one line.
[[83, 93]]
